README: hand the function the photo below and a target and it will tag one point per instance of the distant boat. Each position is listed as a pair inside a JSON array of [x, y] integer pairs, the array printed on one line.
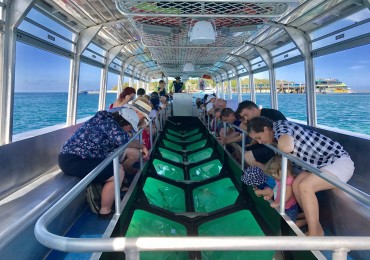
[[331, 86], [110, 91], [84, 92]]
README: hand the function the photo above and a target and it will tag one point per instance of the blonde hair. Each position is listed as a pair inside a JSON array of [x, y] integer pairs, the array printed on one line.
[[273, 167]]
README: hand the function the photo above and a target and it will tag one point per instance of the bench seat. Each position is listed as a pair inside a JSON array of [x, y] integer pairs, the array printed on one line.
[[31, 182]]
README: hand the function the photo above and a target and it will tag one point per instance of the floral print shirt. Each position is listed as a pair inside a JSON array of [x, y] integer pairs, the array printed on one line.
[[96, 138]]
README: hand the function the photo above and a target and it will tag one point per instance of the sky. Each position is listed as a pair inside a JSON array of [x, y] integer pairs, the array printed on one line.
[[40, 71]]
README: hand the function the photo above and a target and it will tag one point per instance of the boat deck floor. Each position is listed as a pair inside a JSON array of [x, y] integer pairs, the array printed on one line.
[[86, 226]]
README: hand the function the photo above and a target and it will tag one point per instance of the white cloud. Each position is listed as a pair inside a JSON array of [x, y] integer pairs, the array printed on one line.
[[356, 67]]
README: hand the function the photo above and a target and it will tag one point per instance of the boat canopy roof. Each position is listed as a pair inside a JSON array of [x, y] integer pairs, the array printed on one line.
[[150, 39]]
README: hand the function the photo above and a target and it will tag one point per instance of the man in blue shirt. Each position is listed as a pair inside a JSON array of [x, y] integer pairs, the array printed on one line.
[[178, 85]]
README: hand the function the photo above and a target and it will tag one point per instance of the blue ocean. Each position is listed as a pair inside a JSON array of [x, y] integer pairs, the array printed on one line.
[[345, 111]]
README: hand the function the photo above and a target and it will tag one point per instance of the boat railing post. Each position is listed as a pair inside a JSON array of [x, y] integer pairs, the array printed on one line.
[[165, 115], [225, 132], [242, 152], [340, 254], [208, 123], [160, 120], [284, 168], [151, 133], [132, 254], [141, 154], [117, 184], [163, 118]]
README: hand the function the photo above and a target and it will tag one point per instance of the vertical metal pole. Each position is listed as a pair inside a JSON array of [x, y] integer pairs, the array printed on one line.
[[132, 254], [230, 89], [117, 184], [214, 124], [243, 150], [103, 87], [208, 121], [340, 254], [284, 168], [160, 120], [310, 91], [151, 134], [273, 92], [225, 132], [141, 154], [252, 88], [239, 88]]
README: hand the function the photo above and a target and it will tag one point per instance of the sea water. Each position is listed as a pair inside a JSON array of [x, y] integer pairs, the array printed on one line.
[[345, 111]]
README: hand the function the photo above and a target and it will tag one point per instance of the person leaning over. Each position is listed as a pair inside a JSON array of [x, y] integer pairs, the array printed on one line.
[[314, 148], [91, 144], [124, 98], [222, 103], [233, 136], [258, 155], [227, 115], [140, 92]]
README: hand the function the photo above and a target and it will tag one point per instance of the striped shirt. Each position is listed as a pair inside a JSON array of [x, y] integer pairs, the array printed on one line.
[[310, 146]]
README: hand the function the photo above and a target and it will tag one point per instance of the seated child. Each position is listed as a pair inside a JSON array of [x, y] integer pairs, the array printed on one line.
[[273, 168]]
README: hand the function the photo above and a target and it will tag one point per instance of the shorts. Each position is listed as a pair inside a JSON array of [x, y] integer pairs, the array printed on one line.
[[263, 154], [342, 168], [74, 165], [292, 212]]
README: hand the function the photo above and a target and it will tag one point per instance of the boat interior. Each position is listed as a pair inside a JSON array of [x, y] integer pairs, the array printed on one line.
[[149, 40]]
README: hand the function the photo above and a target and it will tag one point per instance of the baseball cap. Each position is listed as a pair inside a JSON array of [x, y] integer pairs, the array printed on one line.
[[130, 116]]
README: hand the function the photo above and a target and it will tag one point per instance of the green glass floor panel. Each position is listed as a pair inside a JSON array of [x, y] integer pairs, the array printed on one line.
[[195, 146], [215, 195], [145, 224], [241, 223], [174, 138], [191, 132], [171, 145], [182, 134], [205, 170], [174, 132], [200, 156], [164, 195], [168, 170], [194, 138], [175, 157]]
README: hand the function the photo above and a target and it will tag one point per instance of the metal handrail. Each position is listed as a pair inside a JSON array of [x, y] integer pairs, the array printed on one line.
[[133, 246], [357, 194]]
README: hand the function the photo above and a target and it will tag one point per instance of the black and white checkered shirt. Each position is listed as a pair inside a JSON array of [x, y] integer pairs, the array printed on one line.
[[310, 146]]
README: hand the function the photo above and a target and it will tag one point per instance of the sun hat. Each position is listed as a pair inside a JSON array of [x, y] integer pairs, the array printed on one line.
[[209, 106], [253, 176], [141, 107], [130, 116], [209, 98]]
